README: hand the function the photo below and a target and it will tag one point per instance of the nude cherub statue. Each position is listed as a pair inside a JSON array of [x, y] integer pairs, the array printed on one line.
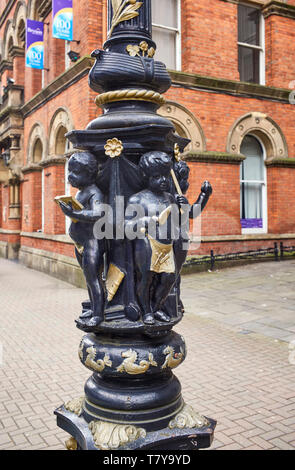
[[182, 171], [82, 172], [154, 255]]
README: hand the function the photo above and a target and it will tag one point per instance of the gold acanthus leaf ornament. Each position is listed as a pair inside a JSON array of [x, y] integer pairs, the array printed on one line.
[[112, 436], [123, 10], [134, 50], [188, 418], [75, 406]]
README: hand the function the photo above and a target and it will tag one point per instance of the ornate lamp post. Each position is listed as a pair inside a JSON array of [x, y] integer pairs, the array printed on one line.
[[129, 156]]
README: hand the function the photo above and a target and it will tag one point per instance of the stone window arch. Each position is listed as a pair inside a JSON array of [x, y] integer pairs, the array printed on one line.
[[8, 39], [60, 141], [38, 9], [61, 123], [21, 34], [10, 44], [37, 151], [186, 125], [264, 128], [36, 145], [19, 22]]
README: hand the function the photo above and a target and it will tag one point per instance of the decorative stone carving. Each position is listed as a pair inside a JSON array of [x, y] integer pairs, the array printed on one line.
[[61, 118], [264, 128], [186, 125]]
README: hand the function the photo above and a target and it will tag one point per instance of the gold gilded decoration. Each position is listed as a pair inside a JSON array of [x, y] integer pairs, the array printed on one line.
[[98, 365], [162, 257], [132, 94], [113, 147], [173, 359], [177, 152], [114, 278], [151, 52], [80, 350], [75, 406], [112, 436], [134, 50], [79, 248], [188, 418], [71, 444], [76, 205], [123, 11], [129, 364]]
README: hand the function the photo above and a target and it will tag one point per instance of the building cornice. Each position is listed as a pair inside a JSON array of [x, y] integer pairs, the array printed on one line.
[[229, 87], [57, 86], [278, 8], [9, 110], [31, 168], [5, 65], [6, 11], [281, 162], [214, 157], [51, 161], [17, 51]]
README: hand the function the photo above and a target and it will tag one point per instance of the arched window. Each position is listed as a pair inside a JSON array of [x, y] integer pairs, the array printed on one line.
[[253, 186], [9, 48], [36, 10], [37, 151], [21, 34], [61, 141]]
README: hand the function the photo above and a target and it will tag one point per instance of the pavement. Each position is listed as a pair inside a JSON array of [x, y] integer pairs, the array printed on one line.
[[239, 327]]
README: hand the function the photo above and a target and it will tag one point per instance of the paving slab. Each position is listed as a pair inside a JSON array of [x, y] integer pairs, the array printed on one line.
[[242, 377]]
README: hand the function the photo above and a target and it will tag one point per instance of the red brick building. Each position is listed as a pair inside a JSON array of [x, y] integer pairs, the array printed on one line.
[[232, 66]]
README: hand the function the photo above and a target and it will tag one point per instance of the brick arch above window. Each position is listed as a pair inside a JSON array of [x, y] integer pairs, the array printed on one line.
[[265, 128], [186, 125], [37, 137], [61, 122]]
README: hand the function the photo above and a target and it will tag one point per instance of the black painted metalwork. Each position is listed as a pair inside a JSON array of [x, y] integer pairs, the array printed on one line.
[[128, 158]]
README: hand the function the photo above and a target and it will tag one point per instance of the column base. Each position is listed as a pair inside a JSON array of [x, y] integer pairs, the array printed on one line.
[[101, 435]]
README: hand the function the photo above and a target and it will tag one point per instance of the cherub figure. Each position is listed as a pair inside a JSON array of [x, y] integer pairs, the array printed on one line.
[[88, 249], [182, 170], [154, 255]]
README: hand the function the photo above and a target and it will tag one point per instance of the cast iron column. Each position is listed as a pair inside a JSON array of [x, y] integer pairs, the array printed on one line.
[[132, 399]]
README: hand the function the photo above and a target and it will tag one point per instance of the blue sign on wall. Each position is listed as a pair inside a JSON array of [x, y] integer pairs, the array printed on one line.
[[62, 22], [35, 44]]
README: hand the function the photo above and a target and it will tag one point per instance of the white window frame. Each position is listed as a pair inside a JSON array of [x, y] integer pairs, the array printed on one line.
[[263, 183], [261, 48], [178, 58]]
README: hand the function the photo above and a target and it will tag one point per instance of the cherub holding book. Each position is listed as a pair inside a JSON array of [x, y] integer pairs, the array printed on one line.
[[85, 210]]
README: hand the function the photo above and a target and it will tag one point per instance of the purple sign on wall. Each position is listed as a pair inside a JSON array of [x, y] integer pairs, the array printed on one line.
[[35, 44], [252, 223], [62, 19]]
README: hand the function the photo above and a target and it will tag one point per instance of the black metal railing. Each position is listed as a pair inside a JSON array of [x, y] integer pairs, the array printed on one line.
[[277, 253]]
